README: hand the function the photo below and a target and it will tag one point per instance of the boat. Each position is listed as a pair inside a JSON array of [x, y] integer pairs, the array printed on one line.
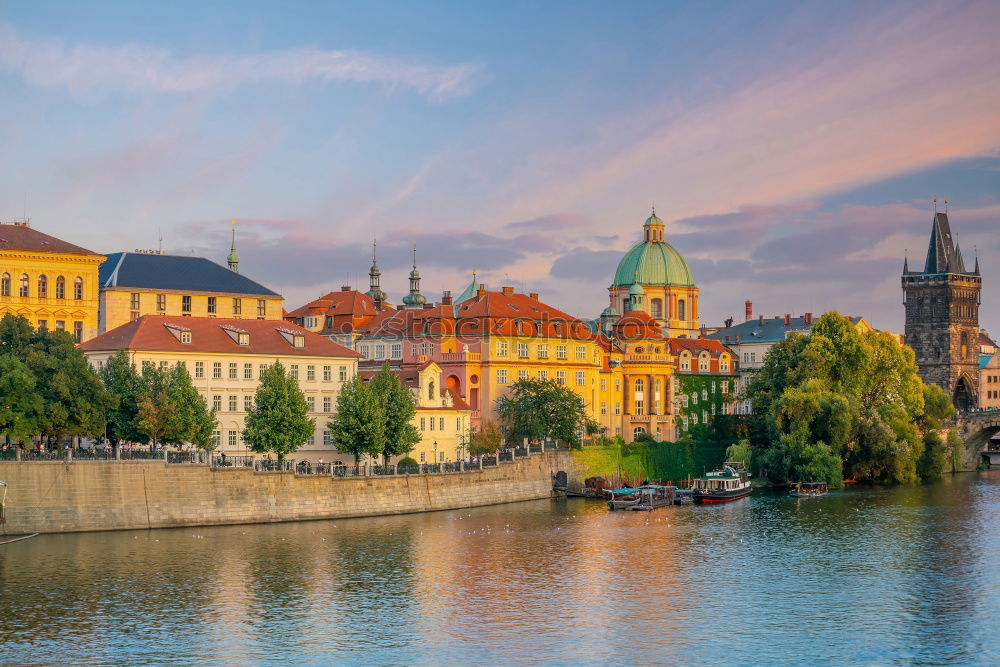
[[730, 482], [643, 498], [809, 490]]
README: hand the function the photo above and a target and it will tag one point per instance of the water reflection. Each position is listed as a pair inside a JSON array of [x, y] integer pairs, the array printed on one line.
[[863, 575]]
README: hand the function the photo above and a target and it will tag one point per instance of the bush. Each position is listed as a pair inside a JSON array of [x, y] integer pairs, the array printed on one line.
[[407, 461], [932, 462]]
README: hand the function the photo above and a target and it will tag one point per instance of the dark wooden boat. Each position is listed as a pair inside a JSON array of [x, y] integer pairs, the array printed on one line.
[[809, 490]]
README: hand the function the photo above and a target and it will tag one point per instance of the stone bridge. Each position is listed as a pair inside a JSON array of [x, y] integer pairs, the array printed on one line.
[[976, 429]]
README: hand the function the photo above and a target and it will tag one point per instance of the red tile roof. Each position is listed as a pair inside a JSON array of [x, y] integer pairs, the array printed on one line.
[[208, 334], [697, 345], [21, 237], [637, 324], [348, 310]]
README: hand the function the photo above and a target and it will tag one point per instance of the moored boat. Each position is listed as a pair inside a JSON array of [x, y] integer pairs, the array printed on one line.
[[730, 482], [645, 497], [809, 489]]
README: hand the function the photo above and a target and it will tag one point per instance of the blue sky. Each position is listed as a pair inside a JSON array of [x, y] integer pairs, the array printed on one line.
[[792, 148]]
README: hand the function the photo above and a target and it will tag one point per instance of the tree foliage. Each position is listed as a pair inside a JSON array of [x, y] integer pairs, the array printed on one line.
[[124, 386], [170, 409], [537, 409], [358, 428], [279, 420], [487, 440], [398, 408], [841, 402], [21, 407]]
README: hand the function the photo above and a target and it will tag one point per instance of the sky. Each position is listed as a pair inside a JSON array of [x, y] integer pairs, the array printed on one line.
[[793, 149]]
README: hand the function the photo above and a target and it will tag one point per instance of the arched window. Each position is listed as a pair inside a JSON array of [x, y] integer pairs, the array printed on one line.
[[685, 361], [637, 431], [430, 390], [703, 362], [5, 285], [681, 315], [78, 288], [43, 286], [60, 288], [656, 309], [23, 291]]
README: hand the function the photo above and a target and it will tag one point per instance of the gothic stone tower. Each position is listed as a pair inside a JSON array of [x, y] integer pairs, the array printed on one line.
[[942, 316]]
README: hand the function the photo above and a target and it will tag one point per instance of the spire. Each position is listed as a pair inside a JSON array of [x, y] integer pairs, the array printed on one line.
[[374, 290], [957, 263], [653, 227], [977, 263], [233, 260], [941, 247], [414, 299], [906, 263]]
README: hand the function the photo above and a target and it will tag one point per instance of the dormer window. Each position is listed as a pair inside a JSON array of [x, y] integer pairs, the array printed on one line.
[[186, 337], [244, 338], [181, 333], [299, 341]]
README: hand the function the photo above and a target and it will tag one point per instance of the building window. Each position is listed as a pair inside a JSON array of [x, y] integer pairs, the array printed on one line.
[[423, 426], [656, 309], [260, 369], [298, 340], [458, 424], [247, 402], [327, 404], [327, 439], [543, 376], [237, 306], [422, 457], [43, 286], [78, 332], [604, 407], [724, 364], [681, 314], [704, 394], [618, 408], [543, 351], [639, 384], [363, 351], [560, 352], [61, 288], [232, 371], [186, 304], [581, 378], [604, 384], [423, 348], [217, 370], [247, 371], [60, 325], [501, 376], [522, 374], [133, 299], [501, 349], [211, 305], [232, 403], [216, 438], [311, 402], [217, 403], [261, 309], [431, 420], [199, 369], [522, 350], [637, 431], [379, 351], [186, 337], [43, 325], [440, 423], [703, 362], [310, 373], [396, 351], [23, 289], [560, 377], [161, 302], [684, 400], [638, 406], [5, 285], [343, 373], [618, 384], [685, 362], [581, 353], [327, 373], [293, 371], [78, 288]]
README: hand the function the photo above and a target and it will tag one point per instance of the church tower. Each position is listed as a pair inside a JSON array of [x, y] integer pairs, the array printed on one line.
[[942, 316]]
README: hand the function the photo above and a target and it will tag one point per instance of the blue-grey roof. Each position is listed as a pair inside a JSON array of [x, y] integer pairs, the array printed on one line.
[[175, 273], [771, 330], [984, 359]]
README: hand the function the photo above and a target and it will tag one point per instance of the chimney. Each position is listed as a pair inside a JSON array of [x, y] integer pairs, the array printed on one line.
[[481, 292], [533, 295], [446, 298], [761, 320], [808, 317], [749, 305], [788, 319], [345, 288], [507, 290]]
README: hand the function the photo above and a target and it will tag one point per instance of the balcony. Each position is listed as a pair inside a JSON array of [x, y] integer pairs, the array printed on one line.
[[646, 358], [457, 357]]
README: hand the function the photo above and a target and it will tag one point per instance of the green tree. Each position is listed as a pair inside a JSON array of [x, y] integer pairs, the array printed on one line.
[[195, 422], [741, 452], [157, 418], [279, 421], [956, 448], [399, 407], [20, 406], [124, 386], [935, 455], [487, 440], [937, 407], [359, 426], [536, 409]]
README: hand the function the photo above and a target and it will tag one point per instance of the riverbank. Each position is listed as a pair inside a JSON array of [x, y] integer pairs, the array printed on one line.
[[83, 496]]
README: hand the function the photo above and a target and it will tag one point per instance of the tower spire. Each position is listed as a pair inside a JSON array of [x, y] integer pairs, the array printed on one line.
[[234, 259], [374, 290], [414, 299]]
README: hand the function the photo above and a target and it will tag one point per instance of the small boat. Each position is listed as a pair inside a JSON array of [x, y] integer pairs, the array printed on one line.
[[731, 482], [643, 498], [809, 490]]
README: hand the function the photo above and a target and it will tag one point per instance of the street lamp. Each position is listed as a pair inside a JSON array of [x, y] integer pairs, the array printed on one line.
[[435, 451]]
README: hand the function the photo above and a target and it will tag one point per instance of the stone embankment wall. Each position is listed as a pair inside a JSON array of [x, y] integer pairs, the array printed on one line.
[[56, 497]]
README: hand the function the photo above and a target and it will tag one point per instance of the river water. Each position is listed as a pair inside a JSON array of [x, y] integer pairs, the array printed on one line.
[[867, 575]]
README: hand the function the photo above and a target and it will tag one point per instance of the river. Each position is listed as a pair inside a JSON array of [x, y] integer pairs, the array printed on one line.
[[867, 575]]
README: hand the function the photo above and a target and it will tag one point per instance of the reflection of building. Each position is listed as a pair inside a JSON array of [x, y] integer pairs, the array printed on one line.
[[442, 417], [225, 357], [750, 341], [149, 283], [671, 297], [52, 283], [942, 316]]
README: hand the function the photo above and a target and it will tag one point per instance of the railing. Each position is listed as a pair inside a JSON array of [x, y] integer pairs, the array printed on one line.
[[43, 455], [507, 455], [535, 448], [94, 454], [239, 461], [9, 454], [186, 457], [347, 471], [382, 470], [271, 465], [490, 461], [521, 451], [139, 455]]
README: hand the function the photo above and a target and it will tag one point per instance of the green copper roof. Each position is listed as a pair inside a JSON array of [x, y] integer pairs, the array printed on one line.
[[653, 263], [652, 220], [636, 289]]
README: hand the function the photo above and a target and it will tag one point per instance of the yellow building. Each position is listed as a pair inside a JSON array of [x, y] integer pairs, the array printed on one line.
[[442, 418], [133, 284], [50, 282], [225, 357]]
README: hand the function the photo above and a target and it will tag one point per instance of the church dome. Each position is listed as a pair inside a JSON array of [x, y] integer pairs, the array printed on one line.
[[653, 261]]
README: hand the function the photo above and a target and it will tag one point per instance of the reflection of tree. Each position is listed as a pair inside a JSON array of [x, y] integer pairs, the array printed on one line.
[[278, 566]]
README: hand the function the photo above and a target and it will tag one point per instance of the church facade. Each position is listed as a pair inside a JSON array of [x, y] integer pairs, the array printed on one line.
[[942, 316]]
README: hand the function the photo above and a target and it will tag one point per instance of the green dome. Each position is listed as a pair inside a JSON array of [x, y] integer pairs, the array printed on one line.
[[636, 289], [653, 263]]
